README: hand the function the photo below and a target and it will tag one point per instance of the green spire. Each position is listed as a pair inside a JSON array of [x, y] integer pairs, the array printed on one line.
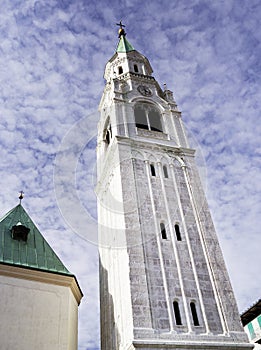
[[123, 44], [28, 250]]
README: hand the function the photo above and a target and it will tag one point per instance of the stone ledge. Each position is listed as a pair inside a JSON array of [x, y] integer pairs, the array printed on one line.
[[173, 345]]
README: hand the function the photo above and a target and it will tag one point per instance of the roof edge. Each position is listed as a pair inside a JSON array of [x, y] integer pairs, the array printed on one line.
[[251, 313], [31, 274]]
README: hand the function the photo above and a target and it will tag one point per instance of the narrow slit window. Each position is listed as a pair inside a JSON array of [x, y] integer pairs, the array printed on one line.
[[177, 313], [177, 231], [120, 69], [108, 135], [163, 231], [136, 70], [165, 171], [194, 313], [152, 170]]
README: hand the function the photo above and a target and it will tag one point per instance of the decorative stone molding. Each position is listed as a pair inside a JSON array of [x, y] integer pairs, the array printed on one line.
[[45, 277], [153, 134]]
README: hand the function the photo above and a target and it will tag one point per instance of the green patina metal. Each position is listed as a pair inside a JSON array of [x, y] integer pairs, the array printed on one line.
[[124, 45], [34, 253]]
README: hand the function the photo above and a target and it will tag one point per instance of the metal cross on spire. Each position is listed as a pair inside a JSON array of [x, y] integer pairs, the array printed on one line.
[[120, 24], [121, 30]]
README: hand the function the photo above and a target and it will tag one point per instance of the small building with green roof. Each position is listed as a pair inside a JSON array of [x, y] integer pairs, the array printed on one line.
[[39, 296], [251, 320]]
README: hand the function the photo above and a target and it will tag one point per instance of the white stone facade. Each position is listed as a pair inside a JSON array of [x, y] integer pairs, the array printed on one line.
[[157, 241], [39, 310]]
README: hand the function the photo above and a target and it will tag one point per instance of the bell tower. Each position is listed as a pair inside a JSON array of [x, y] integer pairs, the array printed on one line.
[[163, 281]]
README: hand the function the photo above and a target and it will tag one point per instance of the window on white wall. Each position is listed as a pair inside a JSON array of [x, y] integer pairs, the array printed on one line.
[[141, 117], [108, 134], [177, 313], [194, 313], [163, 231], [154, 119], [148, 117], [165, 171], [177, 231], [152, 170]]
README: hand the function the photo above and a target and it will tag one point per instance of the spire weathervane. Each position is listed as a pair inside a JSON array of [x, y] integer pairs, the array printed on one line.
[[121, 30], [21, 196]]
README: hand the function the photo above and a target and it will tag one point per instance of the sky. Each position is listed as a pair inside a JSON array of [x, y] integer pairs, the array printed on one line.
[[52, 58]]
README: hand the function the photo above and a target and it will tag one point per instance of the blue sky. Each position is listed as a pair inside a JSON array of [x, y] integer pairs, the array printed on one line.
[[52, 58]]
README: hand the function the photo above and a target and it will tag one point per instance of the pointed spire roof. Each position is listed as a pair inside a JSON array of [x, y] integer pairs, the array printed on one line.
[[33, 252], [124, 45]]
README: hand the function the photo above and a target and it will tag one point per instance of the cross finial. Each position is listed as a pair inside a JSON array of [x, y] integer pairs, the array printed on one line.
[[121, 30], [120, 24], [21, 196]]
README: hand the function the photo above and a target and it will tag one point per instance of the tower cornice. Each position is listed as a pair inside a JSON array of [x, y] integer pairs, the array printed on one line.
[[146, 145], [44, 277], [153, 145]]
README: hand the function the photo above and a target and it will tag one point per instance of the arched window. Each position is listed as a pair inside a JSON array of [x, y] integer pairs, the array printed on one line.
[[165, 171], [177, 231], [177, 313], [120, 70], [136, 70], [163, 231], [108, 134], [147, 117], [194, 313], [152, 170]]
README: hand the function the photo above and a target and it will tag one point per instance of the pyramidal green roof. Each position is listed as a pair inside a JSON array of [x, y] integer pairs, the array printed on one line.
[[34, 253], [124, 45]]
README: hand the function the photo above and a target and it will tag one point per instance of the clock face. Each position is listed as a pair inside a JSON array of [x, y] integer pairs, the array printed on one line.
[[144, 90]]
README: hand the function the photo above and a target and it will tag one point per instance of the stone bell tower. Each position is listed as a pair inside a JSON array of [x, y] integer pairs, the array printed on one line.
[[163, 281]]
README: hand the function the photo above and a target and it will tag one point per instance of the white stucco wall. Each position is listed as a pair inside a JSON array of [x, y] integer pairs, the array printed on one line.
[[36, 315]]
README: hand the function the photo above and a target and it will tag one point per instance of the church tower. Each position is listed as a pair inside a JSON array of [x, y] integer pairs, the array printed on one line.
[[163, 281]]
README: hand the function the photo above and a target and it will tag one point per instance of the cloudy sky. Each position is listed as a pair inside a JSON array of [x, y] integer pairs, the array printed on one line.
[[53, 55]]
